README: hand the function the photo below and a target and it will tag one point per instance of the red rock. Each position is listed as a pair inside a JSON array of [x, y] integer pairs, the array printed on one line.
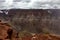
[[5, 29]]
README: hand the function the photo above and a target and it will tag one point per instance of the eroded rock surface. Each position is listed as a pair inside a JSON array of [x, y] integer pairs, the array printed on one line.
[[6, 31]]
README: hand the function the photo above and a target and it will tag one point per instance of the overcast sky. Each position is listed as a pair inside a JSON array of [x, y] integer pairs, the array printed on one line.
[[29, 4]]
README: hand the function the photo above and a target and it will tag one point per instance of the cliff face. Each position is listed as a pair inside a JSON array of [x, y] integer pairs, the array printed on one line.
[[28, 19], [36, 19], [29, 25]]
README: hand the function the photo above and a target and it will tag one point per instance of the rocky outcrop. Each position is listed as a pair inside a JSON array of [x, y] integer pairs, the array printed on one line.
[[6, 31]]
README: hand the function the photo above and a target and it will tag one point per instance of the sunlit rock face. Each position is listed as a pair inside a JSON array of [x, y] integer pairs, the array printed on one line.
[[29, 4]]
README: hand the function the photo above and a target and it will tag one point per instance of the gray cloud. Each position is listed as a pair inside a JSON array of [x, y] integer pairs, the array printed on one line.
[[2, 0], [30, 4]]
